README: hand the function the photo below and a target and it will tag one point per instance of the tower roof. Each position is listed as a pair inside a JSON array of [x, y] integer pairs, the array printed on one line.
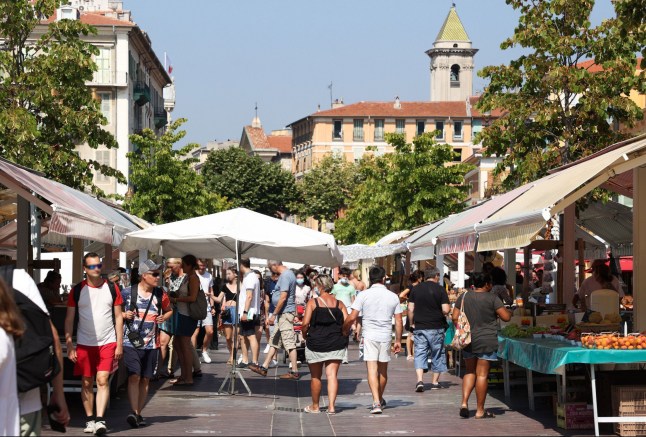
[[452, 29]]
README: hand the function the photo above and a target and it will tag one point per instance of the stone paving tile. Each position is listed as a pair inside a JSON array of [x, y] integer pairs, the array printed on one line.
[[275, 407]]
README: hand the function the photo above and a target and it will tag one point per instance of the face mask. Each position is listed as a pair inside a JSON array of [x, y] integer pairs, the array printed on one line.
[[316, 291], [388, 281], [344, 281], [300, 281]]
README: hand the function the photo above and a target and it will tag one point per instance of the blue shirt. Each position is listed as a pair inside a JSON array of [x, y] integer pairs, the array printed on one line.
[[286, 283]]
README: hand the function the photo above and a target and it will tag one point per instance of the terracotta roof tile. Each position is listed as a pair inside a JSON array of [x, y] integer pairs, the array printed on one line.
[[595, 68], [387, 109], [283, 143], [257, 137], [475, 113], [95, 19]]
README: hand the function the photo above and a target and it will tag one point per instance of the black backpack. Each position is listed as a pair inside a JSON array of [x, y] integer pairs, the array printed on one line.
[[36, 361]]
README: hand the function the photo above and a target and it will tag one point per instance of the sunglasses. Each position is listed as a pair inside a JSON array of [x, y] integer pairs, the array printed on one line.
[[94, 266], [155, 274]]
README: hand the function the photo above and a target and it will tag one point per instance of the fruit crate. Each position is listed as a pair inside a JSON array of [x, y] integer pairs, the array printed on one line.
[[629, 401]]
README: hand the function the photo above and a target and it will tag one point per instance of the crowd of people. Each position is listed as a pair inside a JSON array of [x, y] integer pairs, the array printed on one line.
[[152, 329]]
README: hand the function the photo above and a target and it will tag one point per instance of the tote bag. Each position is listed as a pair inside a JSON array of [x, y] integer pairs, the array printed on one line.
[[462, 336]]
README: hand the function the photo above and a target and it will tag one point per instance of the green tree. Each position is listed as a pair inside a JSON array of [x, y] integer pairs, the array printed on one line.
[[249, 182], [166, 188], [401, 190], [326, 189], [556, 110], [45, 107]]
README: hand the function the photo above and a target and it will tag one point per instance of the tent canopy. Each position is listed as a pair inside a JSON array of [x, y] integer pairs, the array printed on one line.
[[357, 252], [258, 235], [73, 213]]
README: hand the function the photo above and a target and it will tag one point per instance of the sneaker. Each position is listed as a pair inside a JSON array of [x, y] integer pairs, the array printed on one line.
[[99, 427], [383, 404], [290, 375], [141, 421], [132, 420], [89, 427], [258, 369], [435, 386], [206, 357], [419, 387], [376, 409], [266, 351]]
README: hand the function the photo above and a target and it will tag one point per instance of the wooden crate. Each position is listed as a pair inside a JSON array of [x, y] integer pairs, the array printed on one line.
[[629, 401]]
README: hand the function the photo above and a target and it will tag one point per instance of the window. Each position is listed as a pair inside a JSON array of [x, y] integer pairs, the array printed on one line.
[[457, 155], [357, 134], [455, 75], [106, 105], [338, 130], [103, 158], [439, 126], [400, 126], [379, 130], [103, 63], [421, 127], [457, 130]]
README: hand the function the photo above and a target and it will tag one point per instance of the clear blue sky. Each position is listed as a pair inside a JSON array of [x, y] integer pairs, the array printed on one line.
[[227, 55]]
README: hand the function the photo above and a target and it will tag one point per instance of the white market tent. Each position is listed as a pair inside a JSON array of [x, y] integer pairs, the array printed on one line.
[[358, 252], [254, 234]]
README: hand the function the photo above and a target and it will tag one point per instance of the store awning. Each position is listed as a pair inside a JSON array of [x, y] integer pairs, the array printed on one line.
[[73, 213], [517, 223]]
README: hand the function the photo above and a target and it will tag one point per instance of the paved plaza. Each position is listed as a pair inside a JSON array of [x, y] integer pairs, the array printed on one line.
[[276, 407]]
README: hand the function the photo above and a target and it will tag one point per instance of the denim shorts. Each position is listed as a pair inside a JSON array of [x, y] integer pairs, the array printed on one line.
[[488, 356], [429, 343]]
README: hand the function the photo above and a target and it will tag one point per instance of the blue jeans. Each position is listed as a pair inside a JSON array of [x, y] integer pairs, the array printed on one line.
[[429, 343]]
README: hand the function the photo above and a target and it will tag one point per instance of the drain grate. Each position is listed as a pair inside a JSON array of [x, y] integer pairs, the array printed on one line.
[[289, 409]]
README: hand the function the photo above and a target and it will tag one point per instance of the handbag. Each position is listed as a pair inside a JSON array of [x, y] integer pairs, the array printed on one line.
[[462, 336]]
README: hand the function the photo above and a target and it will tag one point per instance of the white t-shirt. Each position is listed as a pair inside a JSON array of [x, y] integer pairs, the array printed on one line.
[[206, 282], [95, 327], [29, 401], [10, 412], [378, 305], [250, 284]]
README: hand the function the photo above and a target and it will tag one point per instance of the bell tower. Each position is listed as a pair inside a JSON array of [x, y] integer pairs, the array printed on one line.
[[451, 61]]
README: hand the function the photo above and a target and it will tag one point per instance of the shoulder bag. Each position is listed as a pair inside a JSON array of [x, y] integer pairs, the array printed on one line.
[[462, 337]]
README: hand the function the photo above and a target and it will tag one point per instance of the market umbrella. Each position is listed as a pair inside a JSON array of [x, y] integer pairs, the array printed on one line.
[[257, 235]]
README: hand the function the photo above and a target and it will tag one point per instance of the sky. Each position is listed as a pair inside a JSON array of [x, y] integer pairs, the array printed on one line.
[[283, 54]]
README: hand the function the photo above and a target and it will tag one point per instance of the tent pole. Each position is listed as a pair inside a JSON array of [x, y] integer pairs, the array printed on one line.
[[235, 373]]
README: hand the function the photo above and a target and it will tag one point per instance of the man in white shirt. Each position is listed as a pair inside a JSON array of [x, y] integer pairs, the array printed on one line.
[[206, 283], [30, 402], [378, 305], [249, 310]]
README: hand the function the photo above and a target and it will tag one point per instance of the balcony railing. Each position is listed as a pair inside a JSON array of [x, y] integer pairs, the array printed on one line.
[[141, 93], [160, 118], [109, 78]]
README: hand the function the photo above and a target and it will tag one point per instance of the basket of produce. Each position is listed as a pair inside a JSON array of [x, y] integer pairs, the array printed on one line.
[[613, 340], [514, 331], [597, 323]]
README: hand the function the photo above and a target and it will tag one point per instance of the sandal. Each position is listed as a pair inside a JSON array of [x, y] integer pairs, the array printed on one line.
[[181, 383], [331, 413], [464, 412], [310, 410], [486, 415]]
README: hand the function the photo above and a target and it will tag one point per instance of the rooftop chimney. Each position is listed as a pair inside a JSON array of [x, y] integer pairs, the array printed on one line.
[[338, 103]]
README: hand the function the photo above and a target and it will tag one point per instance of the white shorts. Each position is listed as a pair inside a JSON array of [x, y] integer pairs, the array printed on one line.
[[376, 350]]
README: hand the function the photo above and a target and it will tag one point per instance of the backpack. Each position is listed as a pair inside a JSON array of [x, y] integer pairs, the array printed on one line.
[[36, 361], [197, 309], [76, 292]]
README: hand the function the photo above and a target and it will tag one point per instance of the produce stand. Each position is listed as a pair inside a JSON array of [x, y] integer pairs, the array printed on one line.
[[550, 356]]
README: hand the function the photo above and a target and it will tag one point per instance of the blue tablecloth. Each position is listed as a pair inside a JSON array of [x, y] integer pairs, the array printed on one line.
[[550, 356]]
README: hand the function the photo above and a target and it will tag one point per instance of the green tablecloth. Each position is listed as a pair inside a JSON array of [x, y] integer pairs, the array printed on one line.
[[550, 356]]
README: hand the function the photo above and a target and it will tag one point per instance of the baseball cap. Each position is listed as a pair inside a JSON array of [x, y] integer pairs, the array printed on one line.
[[147, 266]]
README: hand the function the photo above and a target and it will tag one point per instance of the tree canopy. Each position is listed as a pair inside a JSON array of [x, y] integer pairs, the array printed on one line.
[[401, 190], [326, 189], [46, 109], [556, 106], [249, 182], [165, 187]]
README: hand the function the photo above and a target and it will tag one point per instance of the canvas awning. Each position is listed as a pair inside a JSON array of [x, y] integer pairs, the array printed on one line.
[[357, 252], [518, 222], [73, 213]]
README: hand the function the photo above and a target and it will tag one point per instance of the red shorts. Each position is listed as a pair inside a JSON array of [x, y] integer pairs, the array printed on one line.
[[93, 359]]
